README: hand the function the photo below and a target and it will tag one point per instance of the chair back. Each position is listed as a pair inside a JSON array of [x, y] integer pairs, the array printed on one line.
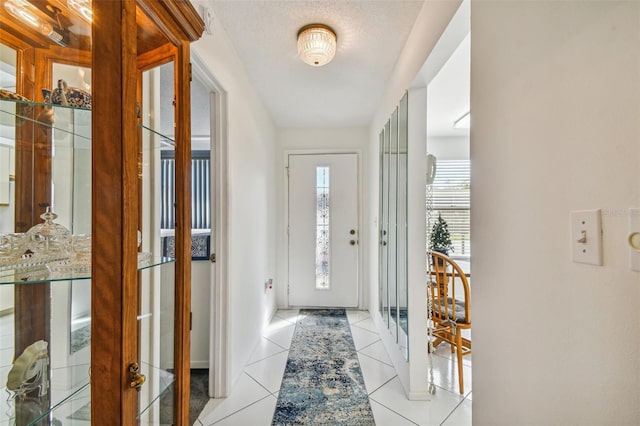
[[448, 302]]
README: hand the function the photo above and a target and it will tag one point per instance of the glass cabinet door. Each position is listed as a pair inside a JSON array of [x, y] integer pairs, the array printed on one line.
[[91, 302], [45, 216]]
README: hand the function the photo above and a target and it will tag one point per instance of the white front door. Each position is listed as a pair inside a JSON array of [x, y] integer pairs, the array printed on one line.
[[323, 230]]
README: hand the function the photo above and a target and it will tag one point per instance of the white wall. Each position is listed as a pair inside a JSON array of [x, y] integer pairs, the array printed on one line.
[[252, 195], [555, 99], [336, 139], [448, 148]]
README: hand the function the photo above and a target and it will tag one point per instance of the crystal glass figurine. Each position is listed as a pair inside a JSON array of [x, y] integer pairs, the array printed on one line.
[[49, 239], [82, 248], [12, 246]]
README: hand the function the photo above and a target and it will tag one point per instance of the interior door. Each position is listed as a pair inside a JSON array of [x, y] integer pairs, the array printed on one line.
[[323, 230]]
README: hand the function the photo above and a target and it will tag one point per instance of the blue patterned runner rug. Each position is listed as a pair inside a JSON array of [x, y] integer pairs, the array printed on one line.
[[322, 382]]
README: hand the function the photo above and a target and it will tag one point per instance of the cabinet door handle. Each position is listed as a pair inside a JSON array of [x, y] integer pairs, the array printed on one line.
[[135, 378]]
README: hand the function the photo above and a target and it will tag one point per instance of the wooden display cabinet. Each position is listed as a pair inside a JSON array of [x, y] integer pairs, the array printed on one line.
[[118, 43]]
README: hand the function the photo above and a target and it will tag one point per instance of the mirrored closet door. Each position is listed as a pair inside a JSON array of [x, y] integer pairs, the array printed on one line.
[[392, 256]]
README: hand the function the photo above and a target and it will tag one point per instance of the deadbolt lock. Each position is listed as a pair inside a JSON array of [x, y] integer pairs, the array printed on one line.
[[135, 378], [352, 232]]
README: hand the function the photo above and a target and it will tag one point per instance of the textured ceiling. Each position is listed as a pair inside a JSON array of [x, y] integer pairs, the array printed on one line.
[[371, 35]]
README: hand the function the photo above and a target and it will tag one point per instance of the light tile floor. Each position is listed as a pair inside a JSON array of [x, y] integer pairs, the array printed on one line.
[[253, 399]]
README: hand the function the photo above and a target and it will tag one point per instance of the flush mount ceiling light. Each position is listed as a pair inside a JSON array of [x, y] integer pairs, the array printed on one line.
[[316, 44]]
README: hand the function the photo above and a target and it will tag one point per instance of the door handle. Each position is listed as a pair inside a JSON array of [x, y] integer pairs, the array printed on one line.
[[135, 378], [353, 242], [212, 258]]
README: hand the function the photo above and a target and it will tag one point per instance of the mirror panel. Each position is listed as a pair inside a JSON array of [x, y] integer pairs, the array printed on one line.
[[402, 226], [382, 233], [392, 266], [386, 223], [393, 229]]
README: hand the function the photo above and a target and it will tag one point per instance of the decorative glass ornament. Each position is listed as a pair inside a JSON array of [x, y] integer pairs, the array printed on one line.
[[49, 239], [12, 245]]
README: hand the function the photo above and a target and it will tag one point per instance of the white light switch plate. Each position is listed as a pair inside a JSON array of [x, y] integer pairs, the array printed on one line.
[[586, 237], [634, 226]]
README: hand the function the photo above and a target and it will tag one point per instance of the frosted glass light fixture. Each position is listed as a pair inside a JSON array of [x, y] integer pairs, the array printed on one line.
[[316, 44]]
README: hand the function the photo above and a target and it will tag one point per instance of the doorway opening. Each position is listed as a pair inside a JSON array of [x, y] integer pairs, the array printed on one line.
[[446, 74], [212, 306]]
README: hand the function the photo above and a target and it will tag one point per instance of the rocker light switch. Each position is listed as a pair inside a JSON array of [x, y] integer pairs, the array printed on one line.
[[586, 237]]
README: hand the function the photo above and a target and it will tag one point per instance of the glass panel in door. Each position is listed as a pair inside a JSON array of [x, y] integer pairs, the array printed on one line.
[[157, 245], [45, 130]]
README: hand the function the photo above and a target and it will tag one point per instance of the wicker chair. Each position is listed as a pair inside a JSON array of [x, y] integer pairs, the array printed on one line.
[[451, 311]]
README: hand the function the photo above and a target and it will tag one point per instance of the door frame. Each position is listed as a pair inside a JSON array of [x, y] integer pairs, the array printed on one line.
[[362, 242], [219, 326]]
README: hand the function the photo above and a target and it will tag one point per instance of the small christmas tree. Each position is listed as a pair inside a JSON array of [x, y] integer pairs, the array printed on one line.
[[440, 239]]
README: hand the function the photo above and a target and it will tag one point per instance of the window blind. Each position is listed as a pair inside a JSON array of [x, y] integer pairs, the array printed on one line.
[[451, 199], [168, 201], [200, 190]]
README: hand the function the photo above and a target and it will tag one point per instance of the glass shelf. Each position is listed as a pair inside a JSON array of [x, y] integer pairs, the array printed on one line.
[[43, 410], [24, 111], [67, 395], [64, 119], [71, 402], [26, 104], [39, 274], [164, 139]]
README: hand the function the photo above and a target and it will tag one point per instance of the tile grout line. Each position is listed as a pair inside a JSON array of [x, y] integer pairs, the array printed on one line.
[[267, 357], [359, 321], [454, 409], [376, 389], [393, 411], [366, 346], [249, 405], [243, 408], [365, 329], [260, 384], [283, 348], [376, 359]]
